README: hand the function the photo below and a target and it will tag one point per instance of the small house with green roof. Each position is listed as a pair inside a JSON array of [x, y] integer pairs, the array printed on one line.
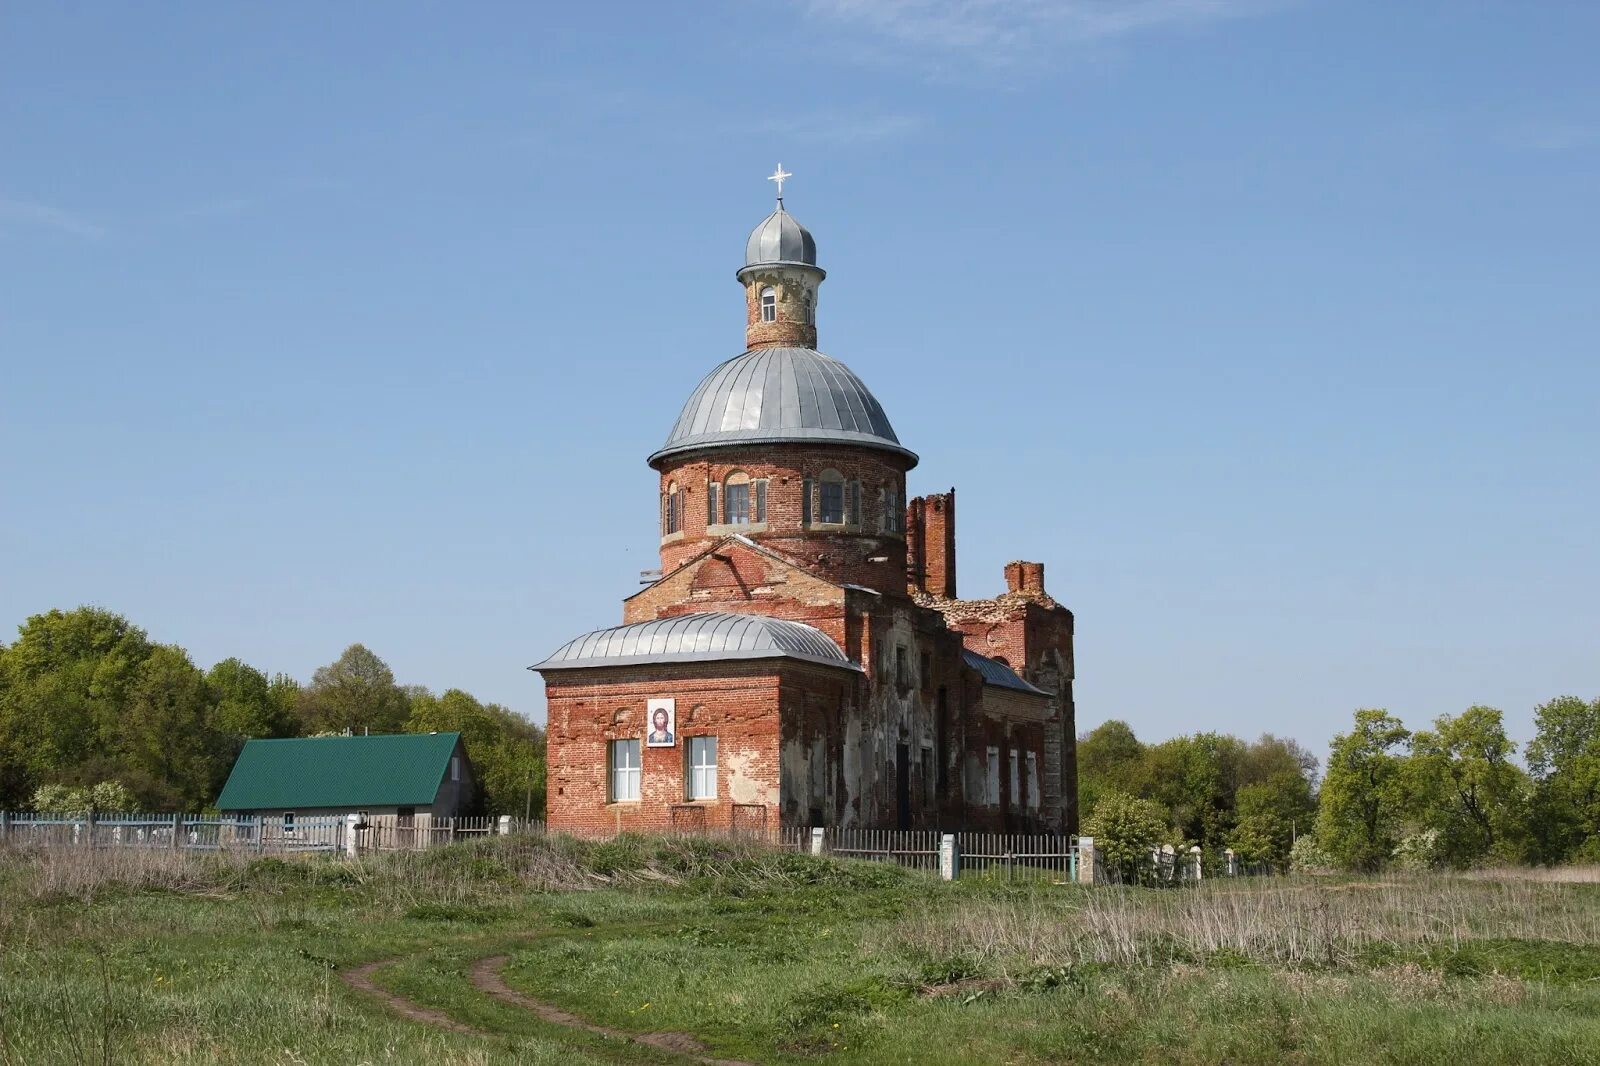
[[414, 776]]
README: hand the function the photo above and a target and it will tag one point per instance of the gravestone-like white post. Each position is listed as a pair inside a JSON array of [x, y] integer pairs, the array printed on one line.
[[351, 847], [504, 828], [1087, 871], [819, 840], [949, 858], [1194, 854], [1233, 862]]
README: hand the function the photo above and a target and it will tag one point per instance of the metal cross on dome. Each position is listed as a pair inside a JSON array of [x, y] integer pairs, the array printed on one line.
[[778, 176]]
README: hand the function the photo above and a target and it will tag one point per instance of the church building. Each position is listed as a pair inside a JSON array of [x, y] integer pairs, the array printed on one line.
[[804, 658]]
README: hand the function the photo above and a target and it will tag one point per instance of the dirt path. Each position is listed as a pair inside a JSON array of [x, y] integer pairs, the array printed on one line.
[[360, 979], [486, 978]]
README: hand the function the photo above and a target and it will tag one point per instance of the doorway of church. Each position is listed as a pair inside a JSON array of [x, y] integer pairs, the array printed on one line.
[[902, 786]]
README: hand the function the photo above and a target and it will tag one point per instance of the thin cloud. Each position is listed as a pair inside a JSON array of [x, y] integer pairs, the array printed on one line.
[[843, 131], [28, 213], [1550, 136], [1007, 33]]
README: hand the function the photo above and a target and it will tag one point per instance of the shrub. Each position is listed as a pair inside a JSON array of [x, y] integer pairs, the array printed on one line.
[[1125, 829], [1420, 851], [1307, 856], [102, 796]]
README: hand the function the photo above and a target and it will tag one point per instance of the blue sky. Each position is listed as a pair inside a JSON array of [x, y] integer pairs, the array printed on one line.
[[1270, 327]]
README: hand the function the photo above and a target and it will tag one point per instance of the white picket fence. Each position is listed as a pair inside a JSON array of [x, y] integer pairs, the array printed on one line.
[[263, 834], [1053, 857]]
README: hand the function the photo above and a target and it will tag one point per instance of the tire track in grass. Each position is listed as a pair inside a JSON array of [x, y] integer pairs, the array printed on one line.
[[486, 978], [360, 978]]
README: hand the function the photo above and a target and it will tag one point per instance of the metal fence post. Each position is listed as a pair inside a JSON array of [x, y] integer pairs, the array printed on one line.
[[949, 858], [819, 840]]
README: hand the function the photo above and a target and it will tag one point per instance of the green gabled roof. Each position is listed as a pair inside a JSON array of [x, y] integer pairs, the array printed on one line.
[[403, 769]]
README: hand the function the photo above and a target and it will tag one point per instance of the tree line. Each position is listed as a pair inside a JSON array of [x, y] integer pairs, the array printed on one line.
[[93, 711], [1451, 795]]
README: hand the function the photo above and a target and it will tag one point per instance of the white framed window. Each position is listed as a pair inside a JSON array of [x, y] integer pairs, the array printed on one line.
[[672, 510], [702, 755], [769, 304], [1033, 781], [736, 499], [830, 509], [992, 782], [288, 823], [1016, 781], [455, 768], [624, 771]]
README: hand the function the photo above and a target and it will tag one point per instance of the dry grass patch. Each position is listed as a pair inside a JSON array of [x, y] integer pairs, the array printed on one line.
[[1274, 922]]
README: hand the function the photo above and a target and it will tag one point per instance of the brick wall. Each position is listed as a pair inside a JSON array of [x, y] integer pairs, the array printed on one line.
[[736, 701], [931, 543], [836, 553], [791, 285]]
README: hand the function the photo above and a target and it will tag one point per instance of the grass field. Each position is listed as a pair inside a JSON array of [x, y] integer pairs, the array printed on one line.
[[554, 951]]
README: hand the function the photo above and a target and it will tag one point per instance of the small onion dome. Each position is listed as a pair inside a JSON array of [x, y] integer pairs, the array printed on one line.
[[780, 240], [781, 396], [713, 636]]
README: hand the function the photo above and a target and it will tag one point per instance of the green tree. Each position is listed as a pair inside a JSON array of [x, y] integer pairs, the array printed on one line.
[[1564, 759], [246, 705], [1109, 757], [506, 750], [1271, 815], [1125, 829], [356, 692], [64, 685], [1463, 786], [173, 755], [1358, 820], [1268, 756], [1195, 780]]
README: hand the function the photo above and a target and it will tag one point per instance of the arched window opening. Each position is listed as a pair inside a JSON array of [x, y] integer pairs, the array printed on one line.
[[736, 499], [769, 304], [672, 511], [809, 310], [830, 509]]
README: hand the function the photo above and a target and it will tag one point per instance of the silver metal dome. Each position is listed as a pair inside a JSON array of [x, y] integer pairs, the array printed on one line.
[[708, 637], [780, 239], [781, 395]]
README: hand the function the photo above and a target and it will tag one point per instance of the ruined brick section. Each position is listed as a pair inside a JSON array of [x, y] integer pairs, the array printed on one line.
[[931, 544], [1025, 578], [862, 552], [1033, 634], [792, 286]]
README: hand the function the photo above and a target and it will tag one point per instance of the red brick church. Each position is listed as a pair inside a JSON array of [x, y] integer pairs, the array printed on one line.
[[804, 658]]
